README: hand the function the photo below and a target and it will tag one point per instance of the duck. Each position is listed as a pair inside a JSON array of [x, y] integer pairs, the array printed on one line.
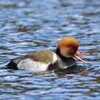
[[63, 57]]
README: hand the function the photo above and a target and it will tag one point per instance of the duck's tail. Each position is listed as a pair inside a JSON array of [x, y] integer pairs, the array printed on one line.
[[12, 65]]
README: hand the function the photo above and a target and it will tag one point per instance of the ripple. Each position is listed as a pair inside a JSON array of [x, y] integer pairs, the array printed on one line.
[[29, 25]]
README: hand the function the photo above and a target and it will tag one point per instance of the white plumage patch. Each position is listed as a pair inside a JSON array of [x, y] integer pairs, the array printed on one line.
[[33, 66], [55, 58]]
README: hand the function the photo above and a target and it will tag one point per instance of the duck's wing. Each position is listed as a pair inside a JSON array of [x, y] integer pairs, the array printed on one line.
[[43, 56]]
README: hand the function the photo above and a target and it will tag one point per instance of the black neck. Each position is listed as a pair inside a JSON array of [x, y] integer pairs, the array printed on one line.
[[61, 56], [64, 59]]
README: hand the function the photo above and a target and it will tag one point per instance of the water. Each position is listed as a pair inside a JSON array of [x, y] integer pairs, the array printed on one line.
[[29, 25]]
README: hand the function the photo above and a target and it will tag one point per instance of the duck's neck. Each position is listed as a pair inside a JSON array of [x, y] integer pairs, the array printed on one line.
[[59, 54], [67, 60]]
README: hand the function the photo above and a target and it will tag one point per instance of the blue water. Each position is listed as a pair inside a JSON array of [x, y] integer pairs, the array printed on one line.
[[32, 25]]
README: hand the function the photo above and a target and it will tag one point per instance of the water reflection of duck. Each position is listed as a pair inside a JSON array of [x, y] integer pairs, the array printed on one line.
[[62, 58]]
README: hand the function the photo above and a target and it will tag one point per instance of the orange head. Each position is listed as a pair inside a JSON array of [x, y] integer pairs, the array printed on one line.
[[68, 46]]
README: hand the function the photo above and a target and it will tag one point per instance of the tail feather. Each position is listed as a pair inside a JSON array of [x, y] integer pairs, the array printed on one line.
[[12, 65]]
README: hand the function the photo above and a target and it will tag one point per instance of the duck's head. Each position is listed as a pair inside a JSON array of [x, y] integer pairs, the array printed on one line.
[[69, 47]]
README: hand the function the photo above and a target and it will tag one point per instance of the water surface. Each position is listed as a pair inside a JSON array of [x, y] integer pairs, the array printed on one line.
[[29, 25]]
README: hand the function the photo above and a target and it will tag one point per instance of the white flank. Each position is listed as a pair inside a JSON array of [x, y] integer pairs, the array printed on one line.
[[55, 58], [33, 66]]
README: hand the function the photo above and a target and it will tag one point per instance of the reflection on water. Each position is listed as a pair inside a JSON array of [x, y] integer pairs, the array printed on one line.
[[29, 25]]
